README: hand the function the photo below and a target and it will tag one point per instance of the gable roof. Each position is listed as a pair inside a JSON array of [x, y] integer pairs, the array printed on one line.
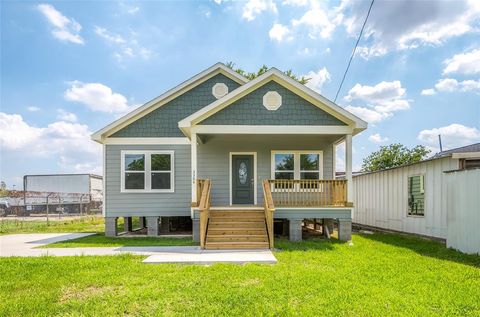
[[218, 68], [284, 80]]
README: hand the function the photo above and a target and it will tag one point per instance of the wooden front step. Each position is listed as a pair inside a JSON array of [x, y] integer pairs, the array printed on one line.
[[237, 229], [236, 245]]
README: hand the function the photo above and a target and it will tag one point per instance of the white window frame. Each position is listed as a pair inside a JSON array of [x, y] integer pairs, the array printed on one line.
[[148, 172], [296, 169], [422, 187]]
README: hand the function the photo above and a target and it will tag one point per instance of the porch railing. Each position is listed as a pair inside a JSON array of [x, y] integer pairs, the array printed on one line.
[[204, 209], [308, 193], [269, 210], [198, 185]]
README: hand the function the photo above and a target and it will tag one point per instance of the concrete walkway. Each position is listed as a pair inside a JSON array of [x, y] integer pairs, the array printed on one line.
[[24, 245]]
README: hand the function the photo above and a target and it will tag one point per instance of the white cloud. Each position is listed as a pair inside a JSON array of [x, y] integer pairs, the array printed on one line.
[[465, 63], [97, 97], [15, 132], [452, 85], [66, 116], [383, 100], [279, 33], [453, 136], [68, 142], [298, 3], [377, 138], [399, 25], [316, 21], [124, 48], [33, 109], [318, 79], [252, 8], [367, 114], [428, 92], [64, 29]]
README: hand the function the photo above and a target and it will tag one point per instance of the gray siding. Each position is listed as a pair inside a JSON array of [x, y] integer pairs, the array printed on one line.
[[294, 110], [163, 122], [148, 204], [213, 158]]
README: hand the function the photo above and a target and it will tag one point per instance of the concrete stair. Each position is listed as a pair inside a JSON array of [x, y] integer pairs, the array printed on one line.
[[237, 229]]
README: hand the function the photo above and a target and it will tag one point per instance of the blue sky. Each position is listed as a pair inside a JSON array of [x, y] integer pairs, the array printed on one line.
[[70, 68]]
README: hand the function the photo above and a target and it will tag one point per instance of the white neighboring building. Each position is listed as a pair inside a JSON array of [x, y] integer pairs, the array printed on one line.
[[416, 198], [71, 191]]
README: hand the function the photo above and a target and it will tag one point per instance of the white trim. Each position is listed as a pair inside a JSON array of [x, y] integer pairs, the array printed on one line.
[[348, 166], [147, 172], [334, 161], [270, 129], [146, 141], [104, 180], [296, 154], [218, 68], [255, 189], [274, 74], [193, 158], [466, 155]]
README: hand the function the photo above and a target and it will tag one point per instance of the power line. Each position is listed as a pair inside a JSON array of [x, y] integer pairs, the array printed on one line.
[[354, 50]]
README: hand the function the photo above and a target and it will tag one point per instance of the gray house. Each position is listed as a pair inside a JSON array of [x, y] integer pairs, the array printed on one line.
[[232, 155]]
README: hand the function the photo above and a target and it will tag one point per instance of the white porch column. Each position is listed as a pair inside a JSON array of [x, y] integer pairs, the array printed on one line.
[[348, 166], [193, 143]]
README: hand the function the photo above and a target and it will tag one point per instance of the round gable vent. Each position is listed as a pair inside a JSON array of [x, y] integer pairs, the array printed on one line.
[[272, 100], [219, 90]]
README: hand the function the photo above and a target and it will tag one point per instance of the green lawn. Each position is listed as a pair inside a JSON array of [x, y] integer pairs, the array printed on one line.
[[87, 224], [99, 240], [380, 274]]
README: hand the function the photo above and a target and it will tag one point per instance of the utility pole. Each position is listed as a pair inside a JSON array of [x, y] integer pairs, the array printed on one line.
[[440, 142]]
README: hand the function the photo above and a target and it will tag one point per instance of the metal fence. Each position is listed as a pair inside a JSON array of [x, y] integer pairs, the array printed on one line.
[[23, 204]]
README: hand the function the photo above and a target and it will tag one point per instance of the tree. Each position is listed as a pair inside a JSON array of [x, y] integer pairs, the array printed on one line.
[[393, 155], [302, 80], [3, 189]]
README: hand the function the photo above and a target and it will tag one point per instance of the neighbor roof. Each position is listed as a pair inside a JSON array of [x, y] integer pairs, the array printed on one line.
[[284, 80], [218, 68], [464, 149]]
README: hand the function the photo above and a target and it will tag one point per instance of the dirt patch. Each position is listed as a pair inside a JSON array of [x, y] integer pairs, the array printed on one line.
[[70, 293]]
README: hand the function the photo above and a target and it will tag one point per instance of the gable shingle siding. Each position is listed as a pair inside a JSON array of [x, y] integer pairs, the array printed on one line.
[[163, 122], [249, 110]]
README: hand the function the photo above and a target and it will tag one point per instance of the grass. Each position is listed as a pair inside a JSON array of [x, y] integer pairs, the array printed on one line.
[[380, 274], [99, 240], [86, 224]]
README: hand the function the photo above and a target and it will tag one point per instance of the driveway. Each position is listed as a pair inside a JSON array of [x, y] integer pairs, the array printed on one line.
[[25, 245]]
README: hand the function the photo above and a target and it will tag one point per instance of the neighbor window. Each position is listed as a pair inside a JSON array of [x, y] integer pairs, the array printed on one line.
[[147, 171], [297, 165], [416, 195]]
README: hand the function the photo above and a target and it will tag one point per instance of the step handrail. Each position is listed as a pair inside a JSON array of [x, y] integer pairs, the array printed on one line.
[[204, 209], [269, 210]]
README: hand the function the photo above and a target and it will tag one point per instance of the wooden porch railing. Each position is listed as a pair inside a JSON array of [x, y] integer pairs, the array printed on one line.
[[269, 210], [204, 209], [308, 193], [199, 185]]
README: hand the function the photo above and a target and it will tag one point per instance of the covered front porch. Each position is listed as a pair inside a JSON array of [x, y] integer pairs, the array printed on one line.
[[274, 181]]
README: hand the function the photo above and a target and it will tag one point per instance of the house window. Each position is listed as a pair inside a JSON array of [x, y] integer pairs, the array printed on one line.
[[147, 171], [416, 195], [297, 165]]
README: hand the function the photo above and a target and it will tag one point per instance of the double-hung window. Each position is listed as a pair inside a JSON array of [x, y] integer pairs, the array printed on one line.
[[147, 171], [297, 165]]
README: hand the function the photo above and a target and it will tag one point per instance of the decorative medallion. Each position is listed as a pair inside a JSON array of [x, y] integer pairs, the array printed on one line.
[[272, 100], [219, 90]]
